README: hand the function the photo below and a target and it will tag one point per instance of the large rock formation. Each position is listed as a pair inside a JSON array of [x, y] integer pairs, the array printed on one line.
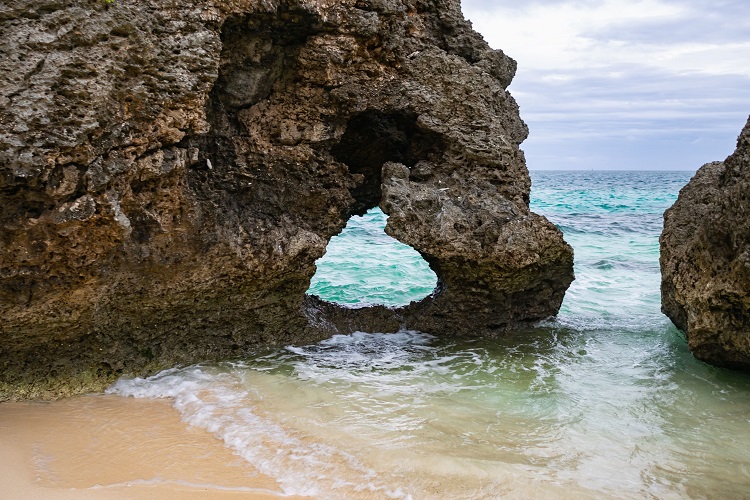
[[170, 172], [705, 260]]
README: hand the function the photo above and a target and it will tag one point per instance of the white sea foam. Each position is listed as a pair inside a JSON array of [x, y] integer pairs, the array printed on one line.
[[219, 401]]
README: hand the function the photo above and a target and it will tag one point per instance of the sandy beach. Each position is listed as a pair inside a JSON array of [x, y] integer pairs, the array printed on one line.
[[110, 447]]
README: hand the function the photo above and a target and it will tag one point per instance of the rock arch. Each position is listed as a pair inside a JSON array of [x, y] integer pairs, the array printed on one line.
[[373, 138], [214, 150]]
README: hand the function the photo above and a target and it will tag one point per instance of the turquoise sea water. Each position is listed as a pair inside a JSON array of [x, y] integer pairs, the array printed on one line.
[[604, 401], [377, 269]]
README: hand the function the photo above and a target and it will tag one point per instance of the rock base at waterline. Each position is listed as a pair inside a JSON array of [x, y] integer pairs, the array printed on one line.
[[705, 260]]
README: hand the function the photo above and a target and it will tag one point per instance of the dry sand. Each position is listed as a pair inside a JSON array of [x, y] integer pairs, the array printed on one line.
[[109, 447]]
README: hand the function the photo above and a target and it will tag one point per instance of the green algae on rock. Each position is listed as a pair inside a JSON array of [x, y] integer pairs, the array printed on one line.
[[169, 174]]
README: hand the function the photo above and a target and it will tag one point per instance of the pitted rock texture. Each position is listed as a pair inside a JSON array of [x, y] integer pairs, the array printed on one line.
[[705, 260], [170, 172]]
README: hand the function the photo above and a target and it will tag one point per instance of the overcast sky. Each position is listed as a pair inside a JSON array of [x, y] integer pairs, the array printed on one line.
[[624, 84]]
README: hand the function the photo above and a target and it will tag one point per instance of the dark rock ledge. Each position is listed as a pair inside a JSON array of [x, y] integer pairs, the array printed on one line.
[[705, 260], [170, 172]]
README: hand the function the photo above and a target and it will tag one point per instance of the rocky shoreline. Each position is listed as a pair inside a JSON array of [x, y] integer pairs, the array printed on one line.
[[169, 174], [705, 260]]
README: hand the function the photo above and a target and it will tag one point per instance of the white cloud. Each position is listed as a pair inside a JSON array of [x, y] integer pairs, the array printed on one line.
[[594, 76], [571, 35]]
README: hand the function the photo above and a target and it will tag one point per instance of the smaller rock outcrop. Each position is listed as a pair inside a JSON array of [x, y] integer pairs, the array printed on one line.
[[705, 260]]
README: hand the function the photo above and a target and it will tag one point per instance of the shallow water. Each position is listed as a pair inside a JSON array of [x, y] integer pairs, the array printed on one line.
[[605, 400]]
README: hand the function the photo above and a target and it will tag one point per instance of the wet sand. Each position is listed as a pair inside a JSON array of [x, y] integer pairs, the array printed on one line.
[[110, 447]]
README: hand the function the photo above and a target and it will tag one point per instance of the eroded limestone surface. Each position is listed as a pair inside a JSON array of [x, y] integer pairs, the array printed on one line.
[[170, 172], [705, 260]]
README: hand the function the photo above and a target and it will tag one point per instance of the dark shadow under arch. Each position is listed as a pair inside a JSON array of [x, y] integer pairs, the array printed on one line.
[[373, 138]]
